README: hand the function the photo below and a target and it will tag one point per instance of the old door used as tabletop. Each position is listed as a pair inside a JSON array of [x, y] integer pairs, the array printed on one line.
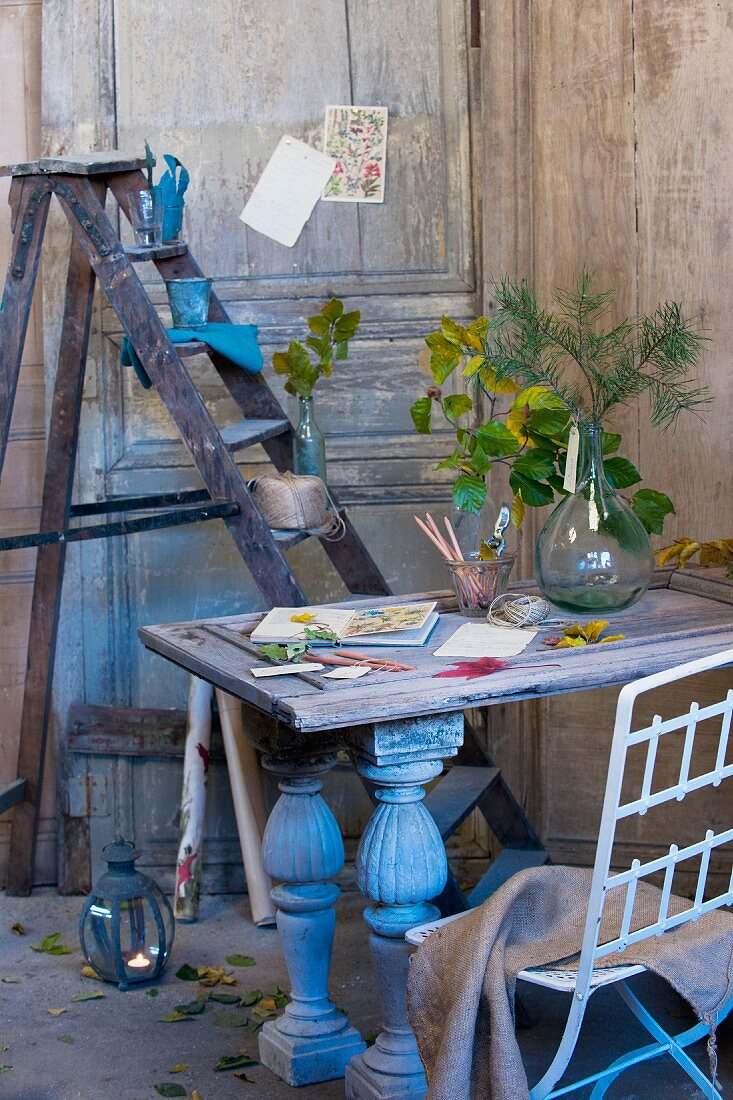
[[398, 729]]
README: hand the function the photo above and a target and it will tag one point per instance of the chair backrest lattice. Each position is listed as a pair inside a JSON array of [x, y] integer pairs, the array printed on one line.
[[618, 807]]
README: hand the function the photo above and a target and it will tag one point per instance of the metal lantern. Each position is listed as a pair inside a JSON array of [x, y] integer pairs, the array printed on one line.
[[126, 927]]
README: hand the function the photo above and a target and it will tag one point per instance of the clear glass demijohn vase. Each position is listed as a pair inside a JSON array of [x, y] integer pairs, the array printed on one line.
[[593, 554]]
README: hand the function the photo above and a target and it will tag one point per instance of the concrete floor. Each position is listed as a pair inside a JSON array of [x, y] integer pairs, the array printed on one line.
[[120, 1049]]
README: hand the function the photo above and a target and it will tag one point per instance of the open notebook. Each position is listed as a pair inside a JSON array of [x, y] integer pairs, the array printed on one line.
[[406, 624]]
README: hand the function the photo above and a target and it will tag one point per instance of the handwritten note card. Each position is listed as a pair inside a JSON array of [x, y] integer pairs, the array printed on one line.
[[482, 640], [287, 190]]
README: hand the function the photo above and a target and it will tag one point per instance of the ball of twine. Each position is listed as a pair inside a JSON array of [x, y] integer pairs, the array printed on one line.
[[292, 502], [515, 609]]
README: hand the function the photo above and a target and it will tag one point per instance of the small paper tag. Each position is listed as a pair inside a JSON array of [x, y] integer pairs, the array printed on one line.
[[571, 461], [285, 670], [347, 672]]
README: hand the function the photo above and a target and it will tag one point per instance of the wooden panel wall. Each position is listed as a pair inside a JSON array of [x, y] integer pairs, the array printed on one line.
[[609, 144], [20, 137]]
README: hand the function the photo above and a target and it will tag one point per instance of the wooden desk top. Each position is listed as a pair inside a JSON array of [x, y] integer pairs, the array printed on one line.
[[686, 615]]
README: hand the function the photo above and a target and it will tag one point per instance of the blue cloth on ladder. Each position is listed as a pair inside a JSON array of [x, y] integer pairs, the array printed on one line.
[[236, 342]]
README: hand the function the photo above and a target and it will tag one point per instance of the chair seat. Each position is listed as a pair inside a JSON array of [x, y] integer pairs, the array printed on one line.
[[550, 977], [564, 980]]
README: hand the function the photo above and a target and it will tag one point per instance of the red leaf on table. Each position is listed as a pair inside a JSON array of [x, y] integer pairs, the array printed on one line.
[[471, 670]]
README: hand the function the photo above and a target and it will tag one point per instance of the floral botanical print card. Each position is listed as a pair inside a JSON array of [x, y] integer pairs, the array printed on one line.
[[357, 138]]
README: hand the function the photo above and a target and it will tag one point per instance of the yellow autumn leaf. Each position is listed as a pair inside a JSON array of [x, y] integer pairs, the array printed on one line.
[[525, 403], [179, 1067], [518, 510], [688, 552], [669, 553], [305, 617], [196, 1095], [571, 643], [473, 366], [715, 553], [486, 553], [87, 972], [593, 630], [228, 979], [55, 1011], [577, 630], [497, 385], [612, 638]]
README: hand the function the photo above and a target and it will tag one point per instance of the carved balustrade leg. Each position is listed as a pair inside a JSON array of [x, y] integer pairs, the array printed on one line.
[[312, 1041], [401, 865]]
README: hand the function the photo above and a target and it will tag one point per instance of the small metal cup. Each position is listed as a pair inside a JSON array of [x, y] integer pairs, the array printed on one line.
[[189, 301]]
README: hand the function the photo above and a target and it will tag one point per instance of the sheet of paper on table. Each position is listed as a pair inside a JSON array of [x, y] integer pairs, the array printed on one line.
[[288, 189], [482, 640], [344, 672], [285, 670]]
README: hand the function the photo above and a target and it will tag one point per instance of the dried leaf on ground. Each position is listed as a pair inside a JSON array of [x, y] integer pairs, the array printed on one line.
[[193, 1008], [55, 1011], [243, 1077], [251, 998], [179, 1067], [170, 1088], [152, 992], [89, 972], [10, 981], [65, 1038], [187, 973], [17, 928], [230, 1019], [3, 1068], [196, 1095], [234, 1061], [173, 1017], [49, 945], [88, 997], [228, 998], [240, 960]]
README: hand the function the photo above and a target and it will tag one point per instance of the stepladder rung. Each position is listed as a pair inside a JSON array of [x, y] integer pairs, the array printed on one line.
[[245, 433], [506, 864], [457, 794]]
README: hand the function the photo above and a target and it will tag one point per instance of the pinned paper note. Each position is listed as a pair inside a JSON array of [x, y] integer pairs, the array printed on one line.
[[288, 189], [357, 138], [482, 640]]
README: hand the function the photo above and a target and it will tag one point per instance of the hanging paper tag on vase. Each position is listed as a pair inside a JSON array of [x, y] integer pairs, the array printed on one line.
[[571, 461]]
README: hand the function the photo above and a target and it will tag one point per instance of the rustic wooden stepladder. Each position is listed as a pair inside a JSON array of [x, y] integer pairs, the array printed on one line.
[[81, 184]]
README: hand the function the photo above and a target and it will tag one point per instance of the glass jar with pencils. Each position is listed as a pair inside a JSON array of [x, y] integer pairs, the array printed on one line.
[[476, 582]]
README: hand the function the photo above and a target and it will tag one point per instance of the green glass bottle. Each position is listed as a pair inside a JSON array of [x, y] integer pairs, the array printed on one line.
[[309, 445]]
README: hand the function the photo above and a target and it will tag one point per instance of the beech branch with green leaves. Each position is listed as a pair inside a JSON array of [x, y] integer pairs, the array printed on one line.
[[330, 332], [531, 439]]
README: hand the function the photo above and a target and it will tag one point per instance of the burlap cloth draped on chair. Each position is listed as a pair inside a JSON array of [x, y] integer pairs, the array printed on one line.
[[461, 981]]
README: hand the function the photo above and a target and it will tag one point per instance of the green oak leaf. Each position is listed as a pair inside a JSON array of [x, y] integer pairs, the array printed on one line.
[[620, 472], [421, 412], [469, 492], [457, 405], [652, 507]]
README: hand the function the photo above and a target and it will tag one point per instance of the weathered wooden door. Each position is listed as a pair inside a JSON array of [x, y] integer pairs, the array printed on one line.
[[218, 85]]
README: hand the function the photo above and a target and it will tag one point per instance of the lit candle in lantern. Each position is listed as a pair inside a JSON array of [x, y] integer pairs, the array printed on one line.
[[139, 962]]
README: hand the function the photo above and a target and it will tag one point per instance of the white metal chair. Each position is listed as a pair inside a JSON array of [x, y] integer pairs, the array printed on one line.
[[587, 978]]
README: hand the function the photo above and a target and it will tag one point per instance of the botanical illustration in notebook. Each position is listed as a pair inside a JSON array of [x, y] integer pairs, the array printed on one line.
[[405, 624]]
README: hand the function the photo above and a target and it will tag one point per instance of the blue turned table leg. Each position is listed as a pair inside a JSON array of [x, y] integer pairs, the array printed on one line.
[[401, 865], [312, 1041]]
